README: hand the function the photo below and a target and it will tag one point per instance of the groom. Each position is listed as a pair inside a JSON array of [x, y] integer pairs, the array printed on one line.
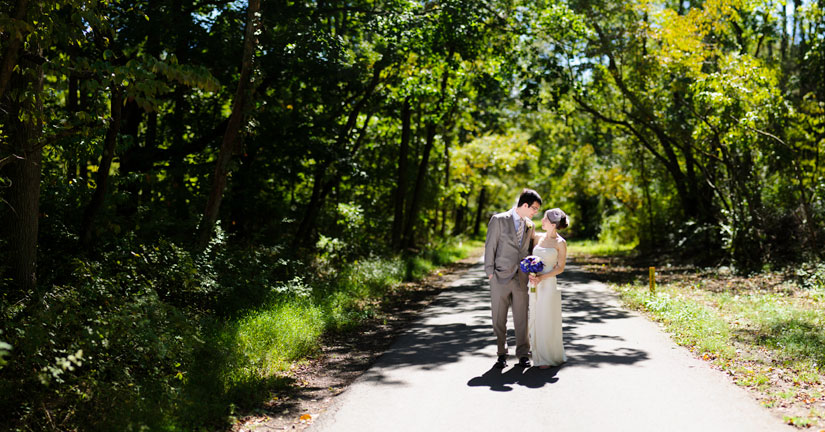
[[509, 237]]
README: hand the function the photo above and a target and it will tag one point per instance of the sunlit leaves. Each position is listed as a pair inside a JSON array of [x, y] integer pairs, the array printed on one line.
[[5, 349], [744, 90], [492, 160]]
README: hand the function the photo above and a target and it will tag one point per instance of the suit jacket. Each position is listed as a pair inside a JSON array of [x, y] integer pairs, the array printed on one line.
[[502, 253]]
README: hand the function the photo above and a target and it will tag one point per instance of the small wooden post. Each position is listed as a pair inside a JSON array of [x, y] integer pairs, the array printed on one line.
[[652, 279]]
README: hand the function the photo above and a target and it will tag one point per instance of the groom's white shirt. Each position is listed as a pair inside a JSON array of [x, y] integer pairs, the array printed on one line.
[[516, 218], [518, 224]]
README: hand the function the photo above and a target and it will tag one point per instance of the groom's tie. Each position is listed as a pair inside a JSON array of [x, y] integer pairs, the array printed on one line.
[[519, 233]]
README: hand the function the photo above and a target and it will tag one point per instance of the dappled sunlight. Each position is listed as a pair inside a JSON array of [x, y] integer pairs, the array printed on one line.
[[458, 326]]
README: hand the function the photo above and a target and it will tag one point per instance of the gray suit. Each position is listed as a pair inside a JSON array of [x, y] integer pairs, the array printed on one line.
[[508, 286]]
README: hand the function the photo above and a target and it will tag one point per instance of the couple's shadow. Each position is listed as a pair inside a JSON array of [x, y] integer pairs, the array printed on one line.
[[503, 380]]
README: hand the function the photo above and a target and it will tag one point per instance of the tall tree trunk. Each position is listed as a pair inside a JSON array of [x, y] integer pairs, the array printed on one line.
[[21, 211], [132, 117], [401, 185], [326, 177], [230, 144], [445, 204], [177, 165], [82, 162], [9, 60], [460, 215], [96, 204], [646, 185], [243, 210], [418, 188], [482, 201], [72, 106]]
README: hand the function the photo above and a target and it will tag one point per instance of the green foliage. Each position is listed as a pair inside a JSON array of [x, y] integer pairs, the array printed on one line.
[[5, 350], [105, 344], [695, 128], [154, 336], [812, 276]]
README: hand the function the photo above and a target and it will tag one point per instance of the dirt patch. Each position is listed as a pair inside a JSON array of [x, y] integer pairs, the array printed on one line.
[[345, 356]]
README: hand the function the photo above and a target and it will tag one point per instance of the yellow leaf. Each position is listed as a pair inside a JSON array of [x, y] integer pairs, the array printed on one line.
[[306, 417]]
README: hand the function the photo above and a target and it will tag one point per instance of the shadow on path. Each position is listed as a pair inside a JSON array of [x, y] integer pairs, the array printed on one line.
[[588, 309], [458, 324], [501, 381]]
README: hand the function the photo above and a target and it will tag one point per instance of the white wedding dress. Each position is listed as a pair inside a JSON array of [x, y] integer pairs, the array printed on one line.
[[545, 315]]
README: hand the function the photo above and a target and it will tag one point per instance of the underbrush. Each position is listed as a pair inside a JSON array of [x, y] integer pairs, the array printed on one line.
[[153, 337]]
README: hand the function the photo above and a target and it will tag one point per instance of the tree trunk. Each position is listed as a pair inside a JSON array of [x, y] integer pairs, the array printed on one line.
[[325, 174], [320, 189], [177, 164], [9, 60], [401, 186], [445, 204], [21, 212], [72, 106], [243, 209], [482, 201], [96, 204], [230, 144], [131, 118], [460, 216], [651, 238], [418, 188]]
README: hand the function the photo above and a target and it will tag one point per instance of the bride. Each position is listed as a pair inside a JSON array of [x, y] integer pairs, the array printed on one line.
[[545, 301]]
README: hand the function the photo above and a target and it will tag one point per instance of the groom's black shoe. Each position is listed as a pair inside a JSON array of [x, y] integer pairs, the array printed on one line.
[[524, 362], [501, 363]]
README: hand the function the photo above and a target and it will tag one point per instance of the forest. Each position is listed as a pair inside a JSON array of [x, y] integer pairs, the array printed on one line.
[[178, 179]]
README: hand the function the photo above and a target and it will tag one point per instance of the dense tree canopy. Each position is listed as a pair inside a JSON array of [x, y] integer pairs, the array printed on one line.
[[326, 132]]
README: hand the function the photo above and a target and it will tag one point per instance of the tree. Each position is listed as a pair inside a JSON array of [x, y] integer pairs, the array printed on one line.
[[231, 139]]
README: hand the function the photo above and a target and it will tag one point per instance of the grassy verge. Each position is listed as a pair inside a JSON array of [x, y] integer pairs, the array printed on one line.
[[766, 331], [248, 360], [155, 337], [591, 247]]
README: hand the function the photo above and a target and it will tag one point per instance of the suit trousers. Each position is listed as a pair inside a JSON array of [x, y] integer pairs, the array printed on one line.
[[504, 296]]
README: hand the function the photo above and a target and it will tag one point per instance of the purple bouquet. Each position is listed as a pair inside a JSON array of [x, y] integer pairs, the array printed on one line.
[[531, 264]]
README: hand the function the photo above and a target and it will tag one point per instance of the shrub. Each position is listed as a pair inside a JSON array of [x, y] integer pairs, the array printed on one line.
[[108, 352]]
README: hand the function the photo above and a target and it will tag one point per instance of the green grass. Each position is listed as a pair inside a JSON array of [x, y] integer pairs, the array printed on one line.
[[592, 247], [269, 339], [693, 324], [754, 333], [420, 265], [246, 361]]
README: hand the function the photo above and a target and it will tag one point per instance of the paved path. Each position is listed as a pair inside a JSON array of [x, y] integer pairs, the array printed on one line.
[[622, 374]]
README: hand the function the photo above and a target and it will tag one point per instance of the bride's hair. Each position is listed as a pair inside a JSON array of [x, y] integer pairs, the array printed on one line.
[[557, 217]]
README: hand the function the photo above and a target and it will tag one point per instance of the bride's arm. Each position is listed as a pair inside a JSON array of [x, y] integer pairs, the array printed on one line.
[[562, 258]]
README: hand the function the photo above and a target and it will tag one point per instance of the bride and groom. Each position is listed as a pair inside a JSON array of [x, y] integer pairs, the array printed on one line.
[[511, 236]]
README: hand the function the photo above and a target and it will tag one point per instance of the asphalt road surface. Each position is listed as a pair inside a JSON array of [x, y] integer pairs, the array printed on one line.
[[622, 374]]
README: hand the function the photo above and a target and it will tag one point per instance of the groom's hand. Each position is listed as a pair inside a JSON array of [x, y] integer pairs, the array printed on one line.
[[489, 277]]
